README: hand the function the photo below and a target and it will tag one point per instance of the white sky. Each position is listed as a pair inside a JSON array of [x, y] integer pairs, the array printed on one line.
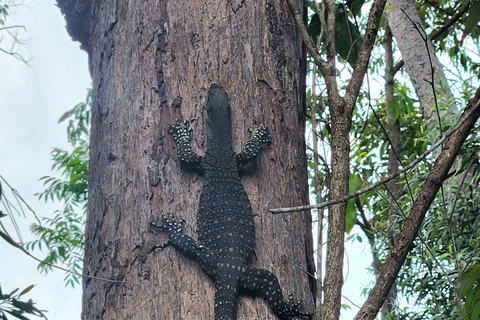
[[32, 98]]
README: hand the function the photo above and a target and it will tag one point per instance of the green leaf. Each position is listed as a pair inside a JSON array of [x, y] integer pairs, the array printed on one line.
[[351, 217], [469, 278], [9, 240], [13, 291], [472, 20], [17, 314], [314, 27], [346, 307], [27, 289], [476, 306], [355, 183], [355, 6], [348, 39], [394, 110]]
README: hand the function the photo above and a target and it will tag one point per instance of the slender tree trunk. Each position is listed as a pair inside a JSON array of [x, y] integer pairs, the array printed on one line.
[[413, 41], [152, 62]]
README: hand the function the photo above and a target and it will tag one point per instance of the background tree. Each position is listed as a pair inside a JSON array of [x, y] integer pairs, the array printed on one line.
[[153, 63], [405, 134]]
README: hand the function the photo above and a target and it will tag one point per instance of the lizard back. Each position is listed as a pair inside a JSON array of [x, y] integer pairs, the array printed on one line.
[[225, 216]]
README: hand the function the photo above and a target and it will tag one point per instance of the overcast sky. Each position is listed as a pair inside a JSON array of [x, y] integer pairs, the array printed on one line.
[[32, 99]]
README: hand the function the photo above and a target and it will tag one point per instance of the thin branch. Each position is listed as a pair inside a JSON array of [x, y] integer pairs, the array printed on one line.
[[322, 65], [13, 27], [16, 55], [19, 198], [422, 33], [318, 189], [378, 183], [452, 237], [326, 68], [14, 244]]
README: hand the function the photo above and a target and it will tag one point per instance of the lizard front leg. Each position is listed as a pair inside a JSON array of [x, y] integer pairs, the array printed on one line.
[[259, 140], [182, 134]]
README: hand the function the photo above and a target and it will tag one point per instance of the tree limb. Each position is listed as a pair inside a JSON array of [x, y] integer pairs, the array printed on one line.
[[307, 40], [375, 184], [326, 68], [355, 83]]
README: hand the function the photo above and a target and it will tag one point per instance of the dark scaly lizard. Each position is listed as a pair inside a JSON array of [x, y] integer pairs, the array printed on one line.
[[226, 230]]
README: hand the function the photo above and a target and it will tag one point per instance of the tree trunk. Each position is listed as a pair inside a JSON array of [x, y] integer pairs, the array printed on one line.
[[152, 62], [419, 61]]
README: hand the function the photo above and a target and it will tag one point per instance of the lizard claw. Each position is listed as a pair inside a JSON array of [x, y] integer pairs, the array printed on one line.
[[292, 308], [181, 130], [263, 135]]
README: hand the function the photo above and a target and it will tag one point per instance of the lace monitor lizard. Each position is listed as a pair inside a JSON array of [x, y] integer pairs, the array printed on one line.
[[226, 229]]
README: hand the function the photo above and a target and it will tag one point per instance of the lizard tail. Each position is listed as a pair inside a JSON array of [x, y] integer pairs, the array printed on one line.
[[226, 295]]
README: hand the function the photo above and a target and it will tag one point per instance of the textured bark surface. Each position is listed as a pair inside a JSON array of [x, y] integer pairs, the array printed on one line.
[[152, 62], [417, 59]]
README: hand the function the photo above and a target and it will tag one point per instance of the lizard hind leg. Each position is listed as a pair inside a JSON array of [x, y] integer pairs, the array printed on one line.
[[187, 245], [263, 283]]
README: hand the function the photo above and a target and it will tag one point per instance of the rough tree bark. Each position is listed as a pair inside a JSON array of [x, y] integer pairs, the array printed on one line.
[[152, 62]]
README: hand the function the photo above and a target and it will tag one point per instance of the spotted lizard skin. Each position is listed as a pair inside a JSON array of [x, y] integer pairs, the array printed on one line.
[[226, 229]]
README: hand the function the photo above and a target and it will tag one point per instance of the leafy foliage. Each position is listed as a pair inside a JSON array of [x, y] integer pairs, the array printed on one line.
[[11, 305], [63, 235], [470, 291], [348, 39], [472, 20], [440, 275], [435, 13]]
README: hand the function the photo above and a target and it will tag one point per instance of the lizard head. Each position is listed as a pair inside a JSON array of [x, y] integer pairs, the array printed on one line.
[[218, 113]]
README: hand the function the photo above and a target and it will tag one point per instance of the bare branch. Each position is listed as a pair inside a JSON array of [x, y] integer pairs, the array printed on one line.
[[322, 65], [375, 184], [13, 27], [16, 245], [326, 68], [353, 86]]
